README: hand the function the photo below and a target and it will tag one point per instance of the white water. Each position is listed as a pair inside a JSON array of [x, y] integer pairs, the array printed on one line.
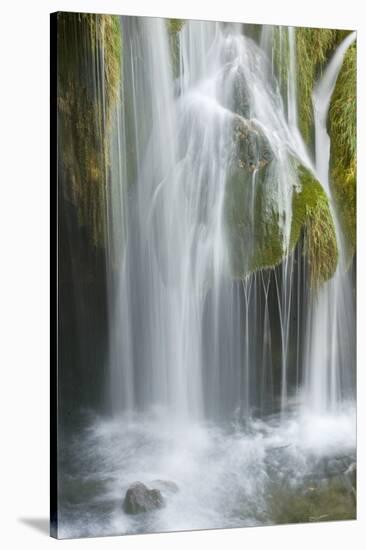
[[226, 477], [183, 330]]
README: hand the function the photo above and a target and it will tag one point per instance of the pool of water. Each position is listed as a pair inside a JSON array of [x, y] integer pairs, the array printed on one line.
[[278, 470]]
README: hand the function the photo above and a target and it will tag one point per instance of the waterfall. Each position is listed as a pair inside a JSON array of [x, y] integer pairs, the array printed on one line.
[[330, 345], [185, 335], [215, 371]]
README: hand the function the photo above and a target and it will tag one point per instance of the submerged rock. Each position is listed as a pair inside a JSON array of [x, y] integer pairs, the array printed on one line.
[[139, 498]]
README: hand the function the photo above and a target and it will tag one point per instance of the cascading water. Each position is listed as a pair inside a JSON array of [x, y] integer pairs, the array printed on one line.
[[221, 359], [330, 356], [184, 313]]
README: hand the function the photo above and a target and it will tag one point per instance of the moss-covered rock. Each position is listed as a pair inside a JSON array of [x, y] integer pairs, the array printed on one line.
[[251, 216], [342, 131], [89, 64], [252, 224], [312, 218]]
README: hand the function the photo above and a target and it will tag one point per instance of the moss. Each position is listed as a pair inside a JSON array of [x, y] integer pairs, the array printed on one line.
[[269, 246], [342, 112], [344, 185], [331, 501], [175, 25], [342, 131], [313, 50], [112, 45], [313, 47], [88, 45], [312, 218], [252, 226], [269, 250]]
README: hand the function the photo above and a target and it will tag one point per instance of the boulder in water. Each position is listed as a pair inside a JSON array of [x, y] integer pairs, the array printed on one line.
[[139, 498]]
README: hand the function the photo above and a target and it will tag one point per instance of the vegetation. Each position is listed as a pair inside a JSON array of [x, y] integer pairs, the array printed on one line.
[[87, 43], [318, 502], [251, 219], [174, 26], [312, 218], [342, 130], [313, 47]]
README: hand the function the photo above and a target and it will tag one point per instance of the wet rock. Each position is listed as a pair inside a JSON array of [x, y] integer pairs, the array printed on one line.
[[139, 498], [252, 147]]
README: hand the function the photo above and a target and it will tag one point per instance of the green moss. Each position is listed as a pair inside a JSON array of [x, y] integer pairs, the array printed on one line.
[[342, 131], [344, 186], [268, 238], [342, 112], [320, 502], [87, 42], [252, 226], [313, 47], [112, 46], [175, 25], [311, 216]]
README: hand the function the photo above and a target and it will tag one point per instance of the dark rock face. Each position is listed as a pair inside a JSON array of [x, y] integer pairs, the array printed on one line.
[[139, 499]]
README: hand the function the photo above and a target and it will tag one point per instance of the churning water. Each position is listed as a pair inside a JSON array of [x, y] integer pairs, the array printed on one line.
[[227, 476], [231, 386]]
